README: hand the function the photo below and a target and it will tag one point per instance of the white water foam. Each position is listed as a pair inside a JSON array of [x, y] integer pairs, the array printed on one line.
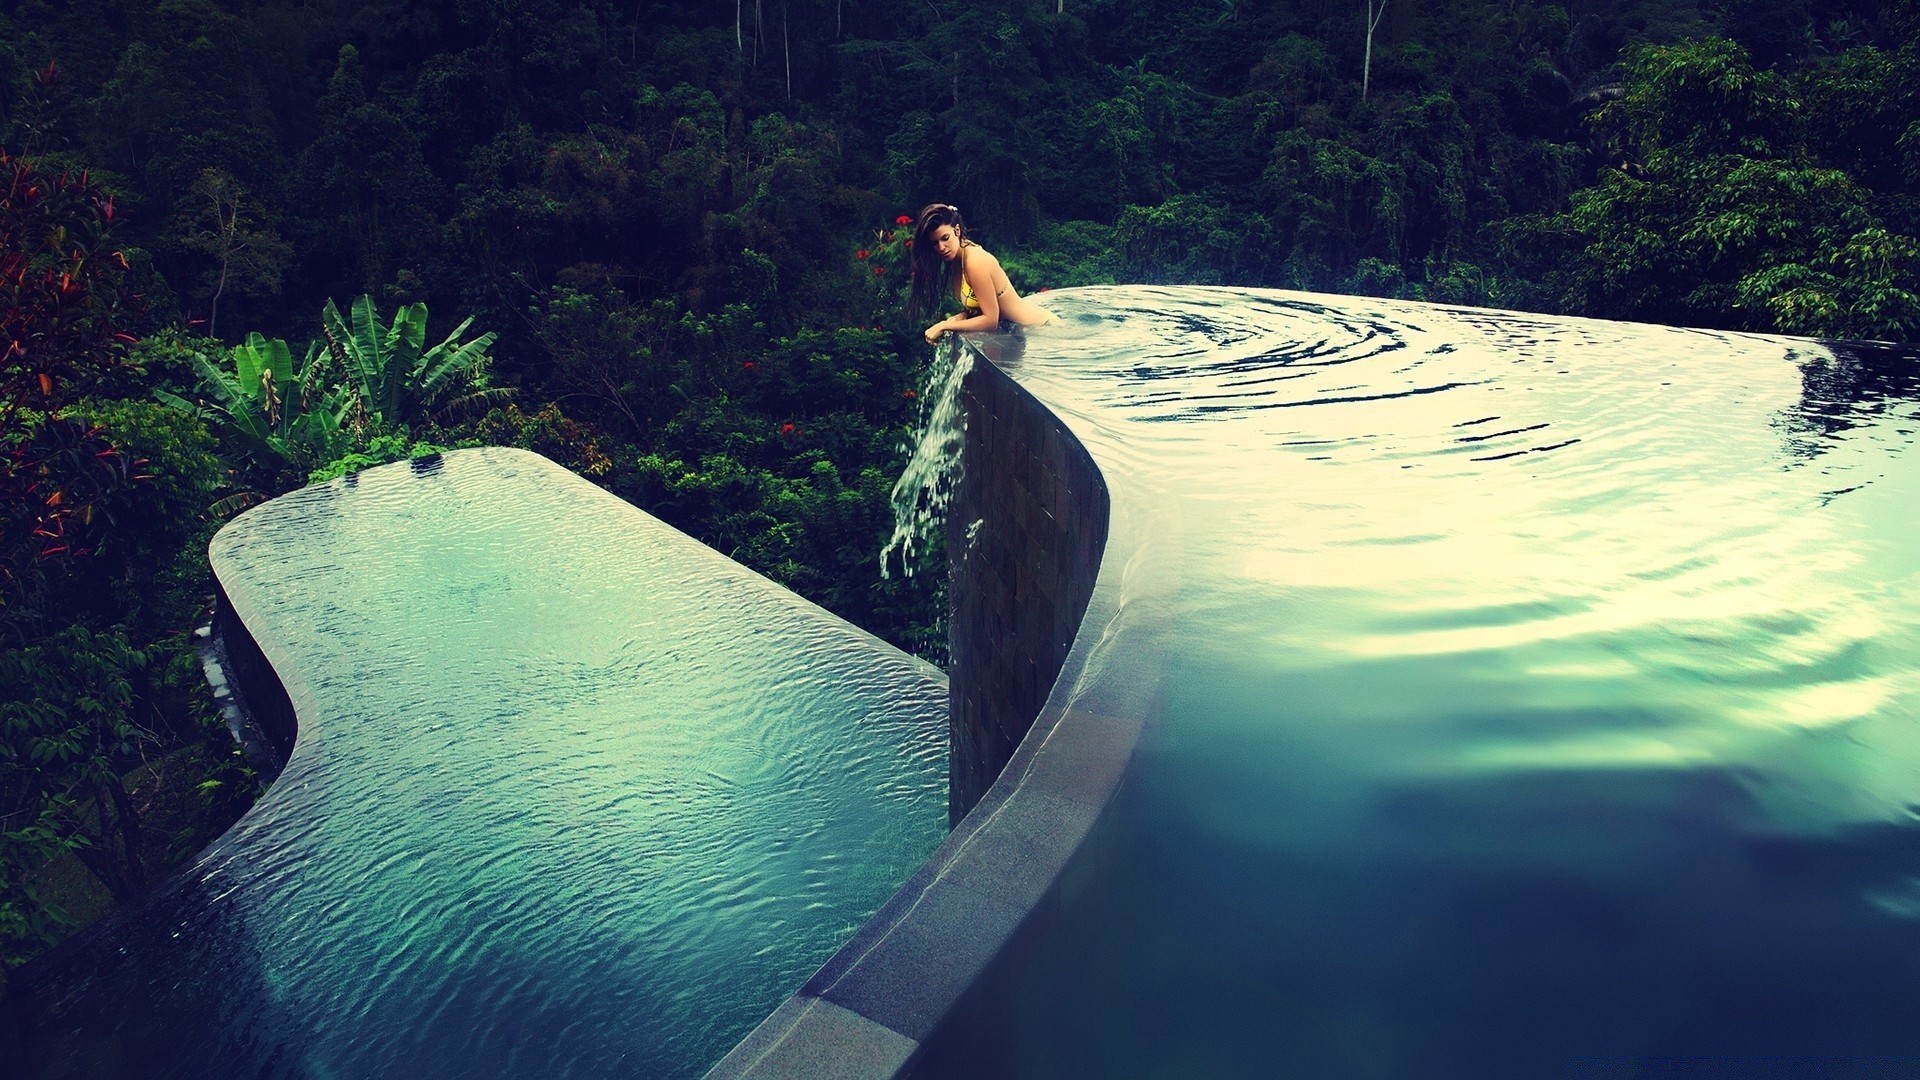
[[921, 495]]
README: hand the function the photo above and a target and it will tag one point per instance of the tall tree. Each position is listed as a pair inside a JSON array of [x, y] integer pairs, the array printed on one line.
[[220, 220], [1732, 221], [366, 166], [1366, 64]]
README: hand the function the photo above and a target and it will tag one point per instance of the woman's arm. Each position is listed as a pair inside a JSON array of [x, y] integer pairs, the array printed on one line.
[[979, 273]]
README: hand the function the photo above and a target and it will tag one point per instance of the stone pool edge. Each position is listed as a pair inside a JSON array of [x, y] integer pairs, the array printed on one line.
[[1029, 773]]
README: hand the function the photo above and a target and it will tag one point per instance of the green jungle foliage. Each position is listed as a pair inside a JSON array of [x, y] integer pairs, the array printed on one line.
[[678, 227]]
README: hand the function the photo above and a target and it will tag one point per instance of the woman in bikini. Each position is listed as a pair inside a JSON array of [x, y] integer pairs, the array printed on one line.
[[946, 263]]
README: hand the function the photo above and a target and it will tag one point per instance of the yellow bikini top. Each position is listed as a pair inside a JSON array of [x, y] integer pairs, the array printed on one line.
[[967, 300]]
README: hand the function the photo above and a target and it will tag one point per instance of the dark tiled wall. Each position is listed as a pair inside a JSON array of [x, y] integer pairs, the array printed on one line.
[[894, 1001], [1020, 585], [262, 697]]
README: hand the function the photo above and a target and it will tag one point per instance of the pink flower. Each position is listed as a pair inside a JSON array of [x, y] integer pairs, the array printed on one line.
[[878, 270], [787, 429], [903, 220], [861, 254]]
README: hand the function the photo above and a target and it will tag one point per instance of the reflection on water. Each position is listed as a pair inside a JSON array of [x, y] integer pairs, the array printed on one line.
[[573, 796], [1535, 690]]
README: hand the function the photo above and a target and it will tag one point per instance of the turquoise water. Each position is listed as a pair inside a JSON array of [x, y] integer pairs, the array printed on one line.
[[573, 796], [1535, 697]]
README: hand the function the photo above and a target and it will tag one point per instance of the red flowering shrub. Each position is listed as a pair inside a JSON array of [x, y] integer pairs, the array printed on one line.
[[61, 302], [888, 251], [62, 309], [60, 482]]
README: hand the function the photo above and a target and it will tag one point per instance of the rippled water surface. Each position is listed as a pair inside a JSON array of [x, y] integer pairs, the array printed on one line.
[[573, 796], [1535, 695]]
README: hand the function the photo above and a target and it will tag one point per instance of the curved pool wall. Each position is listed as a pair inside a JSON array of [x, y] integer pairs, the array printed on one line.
[[1028, 774], [1025, 532], [261, 701], [572, 794]]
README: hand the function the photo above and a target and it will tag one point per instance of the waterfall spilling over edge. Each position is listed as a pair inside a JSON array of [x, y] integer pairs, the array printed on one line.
[[921, 495]]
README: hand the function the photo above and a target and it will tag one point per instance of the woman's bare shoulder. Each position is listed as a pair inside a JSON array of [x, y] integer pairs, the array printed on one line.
[[980, 255]]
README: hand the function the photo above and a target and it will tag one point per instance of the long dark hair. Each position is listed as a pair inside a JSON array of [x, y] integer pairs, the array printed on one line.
[[933, 275]]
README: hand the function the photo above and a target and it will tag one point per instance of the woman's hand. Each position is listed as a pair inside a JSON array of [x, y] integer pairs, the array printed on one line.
[[934, 331]]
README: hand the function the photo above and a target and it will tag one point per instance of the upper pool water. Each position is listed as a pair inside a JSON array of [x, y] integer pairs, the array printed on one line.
[[573, 796], [1534, 697]]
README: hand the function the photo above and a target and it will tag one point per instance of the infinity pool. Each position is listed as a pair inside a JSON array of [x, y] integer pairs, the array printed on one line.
[[1533, 697], [1528, 697], [573, 796]]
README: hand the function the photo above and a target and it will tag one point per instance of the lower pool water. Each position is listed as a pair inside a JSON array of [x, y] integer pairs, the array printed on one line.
[[1533, 697], [573, 796]]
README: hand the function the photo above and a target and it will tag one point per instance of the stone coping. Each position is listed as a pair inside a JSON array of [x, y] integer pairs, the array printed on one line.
[[869, 1011]]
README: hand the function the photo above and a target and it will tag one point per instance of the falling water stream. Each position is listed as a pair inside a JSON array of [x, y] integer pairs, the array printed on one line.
[[925, 489]]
